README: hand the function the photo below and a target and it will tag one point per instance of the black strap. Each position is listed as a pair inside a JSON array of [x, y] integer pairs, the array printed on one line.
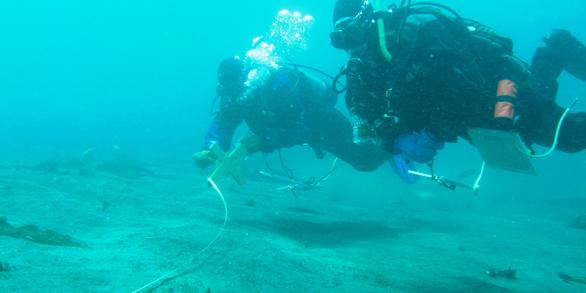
[[505, 99]]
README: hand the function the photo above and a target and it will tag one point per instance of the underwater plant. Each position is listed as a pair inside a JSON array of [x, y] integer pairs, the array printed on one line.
[[35, 234], [579, 222], [4, 267]]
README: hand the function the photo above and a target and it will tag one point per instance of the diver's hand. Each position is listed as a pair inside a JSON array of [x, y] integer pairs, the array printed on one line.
[[402, 165], [204, 158], [418, 147]]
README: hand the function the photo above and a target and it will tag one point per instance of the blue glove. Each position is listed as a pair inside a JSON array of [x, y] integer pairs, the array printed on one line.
[[419, 147], [402, 165]]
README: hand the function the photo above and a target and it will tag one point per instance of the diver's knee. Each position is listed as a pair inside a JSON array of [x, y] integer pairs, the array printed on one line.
[[573, 133]]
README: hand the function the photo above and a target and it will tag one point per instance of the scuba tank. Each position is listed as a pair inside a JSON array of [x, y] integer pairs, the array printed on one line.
[[385, 27], [323, 94], [292, 87], [488, 40]]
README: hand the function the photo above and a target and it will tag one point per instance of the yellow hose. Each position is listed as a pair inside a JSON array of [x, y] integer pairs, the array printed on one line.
[[380, 24]]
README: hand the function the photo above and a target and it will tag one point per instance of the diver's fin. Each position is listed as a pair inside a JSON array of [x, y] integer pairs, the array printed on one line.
[[229, 164]]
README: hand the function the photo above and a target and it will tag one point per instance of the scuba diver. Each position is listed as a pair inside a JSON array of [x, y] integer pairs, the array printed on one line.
[[420, 75], [288, 108], [282, 105]]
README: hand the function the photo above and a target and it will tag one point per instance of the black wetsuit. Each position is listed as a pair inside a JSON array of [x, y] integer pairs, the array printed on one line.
[[443, 78], [540, 114], [289, 109]]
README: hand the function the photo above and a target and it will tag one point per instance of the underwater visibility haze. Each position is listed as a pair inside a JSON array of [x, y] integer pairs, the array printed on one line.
[[104, 103]]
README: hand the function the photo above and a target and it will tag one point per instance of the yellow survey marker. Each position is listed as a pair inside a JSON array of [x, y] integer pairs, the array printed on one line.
[[229, 163]]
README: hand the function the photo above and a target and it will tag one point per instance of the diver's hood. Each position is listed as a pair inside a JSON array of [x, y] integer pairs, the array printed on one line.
[[353, 20]]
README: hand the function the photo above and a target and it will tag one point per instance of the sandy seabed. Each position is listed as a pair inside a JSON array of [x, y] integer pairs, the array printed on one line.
[[139, 228]]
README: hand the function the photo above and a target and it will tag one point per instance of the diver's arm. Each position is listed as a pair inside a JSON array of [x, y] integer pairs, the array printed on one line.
[[221, 130], [336, 132]]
